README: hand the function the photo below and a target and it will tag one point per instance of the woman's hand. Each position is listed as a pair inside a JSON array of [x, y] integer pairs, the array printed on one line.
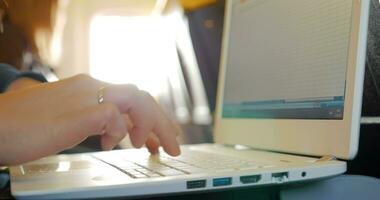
[[48, 118]]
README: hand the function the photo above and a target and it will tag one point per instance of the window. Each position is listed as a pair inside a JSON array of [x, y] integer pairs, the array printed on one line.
[[140, 50]]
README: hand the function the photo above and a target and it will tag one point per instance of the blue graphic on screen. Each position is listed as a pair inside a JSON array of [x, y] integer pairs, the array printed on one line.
[[321, 108]]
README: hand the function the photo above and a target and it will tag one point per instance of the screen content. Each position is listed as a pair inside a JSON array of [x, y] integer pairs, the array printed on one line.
[[287, 59]]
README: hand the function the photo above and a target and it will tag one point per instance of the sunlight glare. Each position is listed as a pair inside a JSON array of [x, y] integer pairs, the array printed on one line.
[[137, 50]]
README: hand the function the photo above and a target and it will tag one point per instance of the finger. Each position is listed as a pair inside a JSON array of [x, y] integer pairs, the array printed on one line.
[[153, 144], [115, 130], [126, 97], [167, 134], [143, 116], [146, 116], [128, 122], [104, 119], [177, 127]]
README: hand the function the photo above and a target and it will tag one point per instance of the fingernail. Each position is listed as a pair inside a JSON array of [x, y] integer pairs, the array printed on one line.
[[177, 152], [107, 148]]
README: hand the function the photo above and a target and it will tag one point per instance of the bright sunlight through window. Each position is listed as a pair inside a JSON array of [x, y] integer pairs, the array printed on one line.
[[138, 50]]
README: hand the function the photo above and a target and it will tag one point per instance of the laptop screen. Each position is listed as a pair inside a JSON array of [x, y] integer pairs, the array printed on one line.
[[287, 59]]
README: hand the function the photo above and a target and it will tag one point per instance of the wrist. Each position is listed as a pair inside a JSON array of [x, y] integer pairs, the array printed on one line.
[[22, 83]]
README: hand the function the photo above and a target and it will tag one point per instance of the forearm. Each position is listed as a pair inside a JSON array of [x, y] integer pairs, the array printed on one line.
[[22, 83]]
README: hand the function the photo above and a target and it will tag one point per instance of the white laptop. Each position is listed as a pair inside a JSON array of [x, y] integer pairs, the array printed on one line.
[[289, 102]]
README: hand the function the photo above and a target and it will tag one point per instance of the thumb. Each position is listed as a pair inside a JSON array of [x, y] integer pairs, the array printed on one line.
[[104, 119]]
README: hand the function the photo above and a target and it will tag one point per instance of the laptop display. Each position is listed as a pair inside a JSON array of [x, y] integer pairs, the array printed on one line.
[[290, 66]]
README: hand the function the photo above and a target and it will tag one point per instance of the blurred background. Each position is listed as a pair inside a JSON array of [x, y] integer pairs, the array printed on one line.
[[170, 48]]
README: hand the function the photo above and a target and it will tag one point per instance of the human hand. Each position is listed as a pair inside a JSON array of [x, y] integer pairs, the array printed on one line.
[[152, 143], [51, 117]]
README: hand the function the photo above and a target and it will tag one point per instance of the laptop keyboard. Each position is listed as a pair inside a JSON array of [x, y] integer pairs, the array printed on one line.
[[162, 166]]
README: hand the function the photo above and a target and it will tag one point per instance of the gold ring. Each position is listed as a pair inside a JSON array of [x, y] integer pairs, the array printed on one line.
[[101, 95]]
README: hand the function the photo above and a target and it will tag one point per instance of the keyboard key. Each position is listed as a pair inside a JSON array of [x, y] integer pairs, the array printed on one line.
[[140, 175], [191, 170], [157, 168], [145, 171], [132, 172], [171, 172], [151, 175], [178, 165]]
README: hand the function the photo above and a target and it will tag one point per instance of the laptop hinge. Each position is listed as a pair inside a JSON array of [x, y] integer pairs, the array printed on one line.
[[243, 147], [326, 158]]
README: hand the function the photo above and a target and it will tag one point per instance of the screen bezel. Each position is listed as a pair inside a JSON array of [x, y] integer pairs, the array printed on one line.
[[306, 137]]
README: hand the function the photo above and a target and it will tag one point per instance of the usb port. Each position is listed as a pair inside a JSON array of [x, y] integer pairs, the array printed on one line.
[[196, 184], [221, 181], [280, 177], [250, 179]]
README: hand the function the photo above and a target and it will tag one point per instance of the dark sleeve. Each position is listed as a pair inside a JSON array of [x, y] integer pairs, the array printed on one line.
[[8, 74]]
